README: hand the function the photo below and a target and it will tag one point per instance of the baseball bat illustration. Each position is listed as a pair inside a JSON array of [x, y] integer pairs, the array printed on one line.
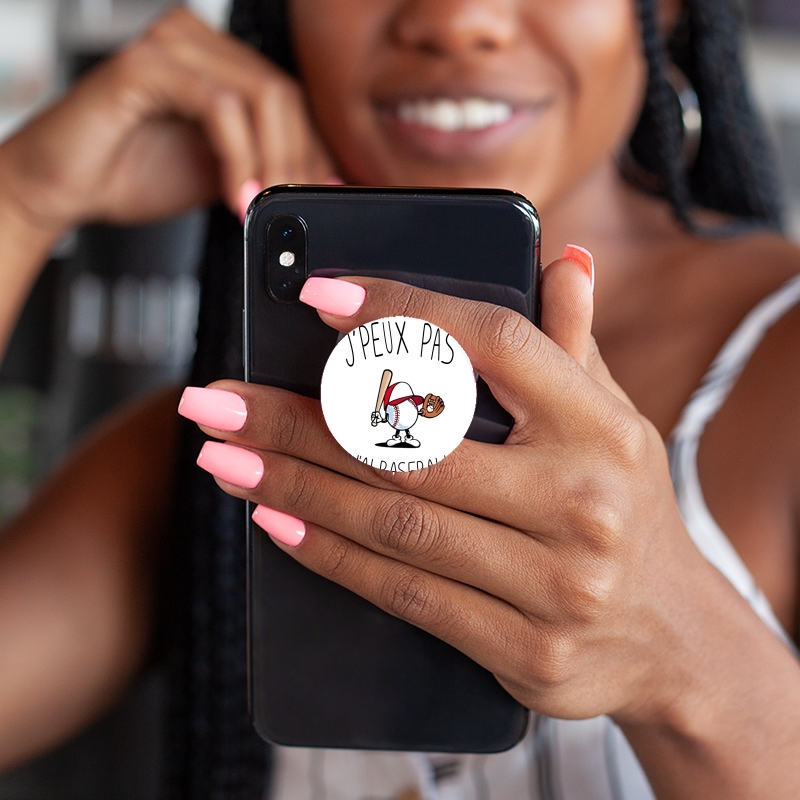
[[385, 379]]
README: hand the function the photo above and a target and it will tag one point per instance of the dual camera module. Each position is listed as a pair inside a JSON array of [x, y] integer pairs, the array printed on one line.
[[287, 247]]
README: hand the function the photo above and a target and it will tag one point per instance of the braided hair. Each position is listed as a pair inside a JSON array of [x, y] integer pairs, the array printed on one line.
[[733, 172], [211, 748]]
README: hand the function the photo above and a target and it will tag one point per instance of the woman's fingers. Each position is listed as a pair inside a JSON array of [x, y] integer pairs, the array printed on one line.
[[485, 628], [515, 485], [531, 377], [166, 87], [423, 534], [567, 302], [567, 311], [179, 118], [503, 598], [285, 145]]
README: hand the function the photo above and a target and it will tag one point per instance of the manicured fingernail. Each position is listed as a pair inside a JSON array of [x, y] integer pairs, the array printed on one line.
[[249, 190], [283, 527], [216, 408], [341, 298], [334, 180], [580, 255], [232, 464]]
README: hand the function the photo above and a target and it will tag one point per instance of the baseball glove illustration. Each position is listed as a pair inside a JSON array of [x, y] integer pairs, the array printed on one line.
[[432, 406]]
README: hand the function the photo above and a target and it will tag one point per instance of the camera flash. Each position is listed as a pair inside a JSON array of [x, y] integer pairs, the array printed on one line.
[[286, 258]]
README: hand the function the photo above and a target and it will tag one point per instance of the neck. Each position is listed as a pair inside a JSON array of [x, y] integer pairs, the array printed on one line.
[[611, 219]]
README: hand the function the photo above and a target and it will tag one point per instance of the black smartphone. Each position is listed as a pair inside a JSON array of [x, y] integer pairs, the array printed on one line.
[[327, 668]]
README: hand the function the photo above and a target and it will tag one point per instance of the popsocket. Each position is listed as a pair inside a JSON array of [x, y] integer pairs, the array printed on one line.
[[398, 393]]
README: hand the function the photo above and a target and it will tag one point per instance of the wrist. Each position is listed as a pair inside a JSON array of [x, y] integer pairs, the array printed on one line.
[[724, 715], [23, 236], [25, 244]]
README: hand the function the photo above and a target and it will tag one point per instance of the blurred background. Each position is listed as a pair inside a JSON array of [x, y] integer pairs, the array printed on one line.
[[114, 314]]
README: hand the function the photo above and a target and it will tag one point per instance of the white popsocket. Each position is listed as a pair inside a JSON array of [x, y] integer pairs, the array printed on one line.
[[398, 393]]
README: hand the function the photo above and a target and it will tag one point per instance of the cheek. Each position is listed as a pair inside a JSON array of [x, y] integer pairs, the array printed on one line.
[[610, 72], [333, 40]]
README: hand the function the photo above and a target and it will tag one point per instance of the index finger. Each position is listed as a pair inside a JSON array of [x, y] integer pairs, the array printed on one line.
[[521, 365]]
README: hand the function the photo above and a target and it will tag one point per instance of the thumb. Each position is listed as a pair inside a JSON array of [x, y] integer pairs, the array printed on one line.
[[567, 310], [568, 303]]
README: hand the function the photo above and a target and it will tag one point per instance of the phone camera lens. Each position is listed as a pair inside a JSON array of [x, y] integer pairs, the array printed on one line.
[[286, 257]]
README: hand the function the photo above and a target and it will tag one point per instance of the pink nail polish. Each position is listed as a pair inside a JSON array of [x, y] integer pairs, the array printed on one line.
[[216, 408], [283, 527], [249, 190], [232, 464], [334, 180], [341, 298], [580, 255]]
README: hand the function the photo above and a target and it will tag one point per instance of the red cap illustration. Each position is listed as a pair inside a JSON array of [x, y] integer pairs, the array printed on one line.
[[398, 392]]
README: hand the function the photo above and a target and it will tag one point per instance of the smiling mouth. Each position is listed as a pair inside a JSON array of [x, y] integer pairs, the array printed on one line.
[[451, 116], [455, 129]]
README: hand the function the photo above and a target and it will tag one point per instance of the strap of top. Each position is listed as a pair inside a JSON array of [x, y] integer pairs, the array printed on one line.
[[726, 368], [684, 441]]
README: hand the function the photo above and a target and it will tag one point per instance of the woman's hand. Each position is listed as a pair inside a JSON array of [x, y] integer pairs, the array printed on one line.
[[543, 558], [180, 117], [557, 560]]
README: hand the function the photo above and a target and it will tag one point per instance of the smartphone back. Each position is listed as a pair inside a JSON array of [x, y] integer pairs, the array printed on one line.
[[327, 668]]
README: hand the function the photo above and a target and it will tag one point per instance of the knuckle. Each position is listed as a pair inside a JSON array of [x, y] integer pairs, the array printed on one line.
[[409, 300], [288, 427], [334, 559], [224, 101], [131, 72], [551, 665], [589, 591], [406, 525], [167, 27], [595, 515], [274, 93], [300, 491], [131, 60], [506, 333], [412, 598], [627, 438]]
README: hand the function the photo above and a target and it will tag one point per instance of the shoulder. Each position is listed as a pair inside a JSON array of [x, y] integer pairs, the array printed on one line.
[[763, 271], [749, 458], [751, 261], [732, 275]]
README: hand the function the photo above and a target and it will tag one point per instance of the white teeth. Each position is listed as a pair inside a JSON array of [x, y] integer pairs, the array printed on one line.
[[448, 115]]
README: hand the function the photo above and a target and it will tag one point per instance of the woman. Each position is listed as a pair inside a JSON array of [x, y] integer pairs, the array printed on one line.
[[579, 583]]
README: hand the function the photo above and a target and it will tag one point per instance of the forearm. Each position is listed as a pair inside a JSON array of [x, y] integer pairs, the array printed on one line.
[[77, 577], [733, 729]]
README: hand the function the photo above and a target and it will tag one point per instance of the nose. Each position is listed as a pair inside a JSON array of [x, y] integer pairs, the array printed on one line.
[[451, 27]]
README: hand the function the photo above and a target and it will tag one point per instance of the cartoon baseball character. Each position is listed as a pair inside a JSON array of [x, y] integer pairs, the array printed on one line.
[[401, 408]]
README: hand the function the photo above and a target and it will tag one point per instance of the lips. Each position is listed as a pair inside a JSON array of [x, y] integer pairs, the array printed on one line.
[[456, 122], [453, 129]]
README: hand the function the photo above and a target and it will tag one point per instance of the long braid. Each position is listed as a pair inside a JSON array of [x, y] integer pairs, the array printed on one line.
[[733, 172], [656, 143], [212, 750], [264, 24]]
